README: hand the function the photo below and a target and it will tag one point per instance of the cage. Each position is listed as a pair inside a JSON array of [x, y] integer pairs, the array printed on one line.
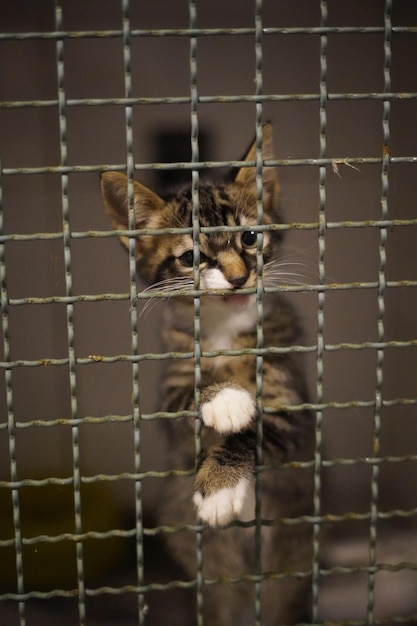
[[134, 86]]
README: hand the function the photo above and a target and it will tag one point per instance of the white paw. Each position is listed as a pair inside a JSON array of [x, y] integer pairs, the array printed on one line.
[[222, 506], [230, 410]]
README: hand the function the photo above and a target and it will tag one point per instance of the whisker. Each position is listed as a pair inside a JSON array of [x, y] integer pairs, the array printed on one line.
[[163, 289], [278, 272]]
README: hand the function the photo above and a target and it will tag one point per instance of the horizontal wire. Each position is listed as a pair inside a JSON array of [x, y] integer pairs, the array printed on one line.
[[107, 590], [204, 32], [112, 234], [222, 98], [186, 165], [326, 572], [103, 297], [353, 404], [162, 356], [71, 593], [135, 589], [134, 476], [157, 530]]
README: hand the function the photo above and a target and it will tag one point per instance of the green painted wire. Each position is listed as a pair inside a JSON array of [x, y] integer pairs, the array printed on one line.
[[136, 412], [320, 312], [10, 424], [373, 526], [195, 179], [72, 365], [259, 307]]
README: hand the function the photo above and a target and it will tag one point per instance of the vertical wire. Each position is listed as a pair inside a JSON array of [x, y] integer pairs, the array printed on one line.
[[11, 426], [62, 109], [260, 312], [136, 412], [320, 313], [373, 531], [196, 269]]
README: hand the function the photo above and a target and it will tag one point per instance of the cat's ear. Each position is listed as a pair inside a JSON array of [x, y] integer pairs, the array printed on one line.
[[246, 176], [147, 205]]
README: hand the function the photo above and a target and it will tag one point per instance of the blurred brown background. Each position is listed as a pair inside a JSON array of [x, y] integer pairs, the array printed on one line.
[[96, 136]]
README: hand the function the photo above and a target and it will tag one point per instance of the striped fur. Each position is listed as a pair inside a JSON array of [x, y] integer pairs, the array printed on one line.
[[222, 489]]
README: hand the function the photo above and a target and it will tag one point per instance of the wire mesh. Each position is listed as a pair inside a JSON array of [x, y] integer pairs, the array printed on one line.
[[389, 391]]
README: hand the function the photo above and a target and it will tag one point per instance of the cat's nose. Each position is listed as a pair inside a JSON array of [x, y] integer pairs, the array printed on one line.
[[237, 281]]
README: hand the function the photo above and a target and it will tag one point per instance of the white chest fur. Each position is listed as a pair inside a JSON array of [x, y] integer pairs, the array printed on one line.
[[222, 321]]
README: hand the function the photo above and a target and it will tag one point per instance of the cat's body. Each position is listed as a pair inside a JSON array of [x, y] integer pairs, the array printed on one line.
[[222, 324]]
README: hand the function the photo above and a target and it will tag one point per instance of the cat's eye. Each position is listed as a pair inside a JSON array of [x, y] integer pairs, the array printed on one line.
[[249, 239], [187, 259]]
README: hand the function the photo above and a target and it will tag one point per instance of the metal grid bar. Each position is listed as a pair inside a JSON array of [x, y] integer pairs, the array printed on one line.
[[17, 540], [259, 306], [380, 322], [195, 180], [136, 403], [207, 165], [66, 236], [175, 100], [320, 311], [194, 32], [381, 345]]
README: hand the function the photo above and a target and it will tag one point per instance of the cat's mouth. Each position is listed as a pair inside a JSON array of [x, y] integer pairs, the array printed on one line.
[[237, 299]]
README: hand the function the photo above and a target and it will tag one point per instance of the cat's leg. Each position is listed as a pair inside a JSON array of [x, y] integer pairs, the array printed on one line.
[[223, 480], [223, 505], [227, 407], [224, 473]]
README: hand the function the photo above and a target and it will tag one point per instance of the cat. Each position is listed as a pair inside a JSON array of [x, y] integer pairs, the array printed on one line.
[[221, 493]]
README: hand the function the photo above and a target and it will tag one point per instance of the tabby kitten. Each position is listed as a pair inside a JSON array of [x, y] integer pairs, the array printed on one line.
[[223, 487]]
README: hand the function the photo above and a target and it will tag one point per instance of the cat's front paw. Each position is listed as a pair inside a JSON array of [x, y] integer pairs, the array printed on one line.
[[230, 410], [223, 506]]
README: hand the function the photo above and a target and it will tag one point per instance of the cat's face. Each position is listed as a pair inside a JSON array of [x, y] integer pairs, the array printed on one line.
[[227, 259]]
